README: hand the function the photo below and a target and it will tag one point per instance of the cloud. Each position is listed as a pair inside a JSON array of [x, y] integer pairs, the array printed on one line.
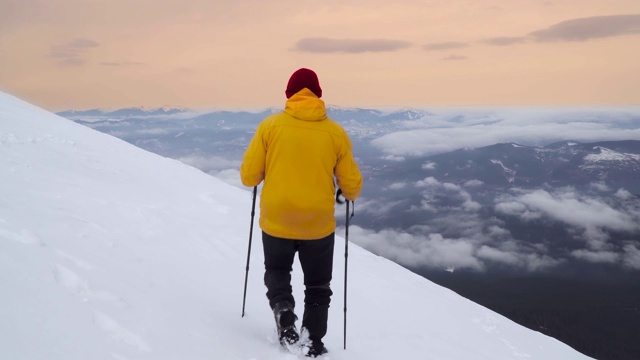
[[448, 130], [444, 46], [397, 186], [229, 176], [573, 209], [393, 158], [424, 206], [469, 204], [375, 207], [505, 40], [436, 251], [580, 29], [623, 194], [72, 52], [531, 261], [429, 166], [435, 188], [517, 209], [454, 58], [454, 234], [496, 231], [607, 257], [427, 182], [631, 256], [473, 183], [583, 29], [433, 251], [326, 45], [599, 186], [593, 216], [210, 164]]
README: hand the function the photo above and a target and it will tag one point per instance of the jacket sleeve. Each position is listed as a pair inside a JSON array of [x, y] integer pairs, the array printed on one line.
[[347, 172], [253, 164]]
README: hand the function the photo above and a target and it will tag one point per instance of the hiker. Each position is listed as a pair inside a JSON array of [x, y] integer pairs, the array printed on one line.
[[300, 154]]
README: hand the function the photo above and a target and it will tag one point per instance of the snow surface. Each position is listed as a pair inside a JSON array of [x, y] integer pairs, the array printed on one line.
[[111, 252], [610, 155], [509, 173]]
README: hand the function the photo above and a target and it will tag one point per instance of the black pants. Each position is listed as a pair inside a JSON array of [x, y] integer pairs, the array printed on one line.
[[316, 258]]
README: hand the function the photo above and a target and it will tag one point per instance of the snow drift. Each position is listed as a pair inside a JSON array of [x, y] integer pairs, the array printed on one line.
[[111, 252]]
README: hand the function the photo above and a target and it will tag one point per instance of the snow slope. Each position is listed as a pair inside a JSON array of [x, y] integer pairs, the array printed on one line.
[[111, 252]]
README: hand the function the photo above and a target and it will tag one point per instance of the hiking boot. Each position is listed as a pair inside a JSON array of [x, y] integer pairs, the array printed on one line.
[[315, 351], [286, 324], [314, 322]]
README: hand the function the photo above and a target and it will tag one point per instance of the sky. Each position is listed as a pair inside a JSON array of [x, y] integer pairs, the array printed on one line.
[[240, 53], [124, 264]]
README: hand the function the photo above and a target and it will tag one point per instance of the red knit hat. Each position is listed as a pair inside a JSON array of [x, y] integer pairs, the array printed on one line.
[[303, 78]]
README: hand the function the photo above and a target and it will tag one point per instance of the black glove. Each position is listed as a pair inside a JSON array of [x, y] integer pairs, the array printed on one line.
[[338, 194]]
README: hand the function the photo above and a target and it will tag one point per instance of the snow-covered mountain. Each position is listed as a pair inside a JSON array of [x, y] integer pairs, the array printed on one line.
[[111, 252]]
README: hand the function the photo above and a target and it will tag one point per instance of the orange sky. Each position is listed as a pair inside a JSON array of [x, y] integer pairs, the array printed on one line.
[[79, 54]]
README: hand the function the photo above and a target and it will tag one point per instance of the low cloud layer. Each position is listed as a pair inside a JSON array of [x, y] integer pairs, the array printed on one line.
[[327, 45], [229, 176], [448, 130], [455, 232], [593, 218], [433, 189], [632, 256], [375, 208], [436, 251], [432, 251], [569, 207], [210, 164], [72, 53]]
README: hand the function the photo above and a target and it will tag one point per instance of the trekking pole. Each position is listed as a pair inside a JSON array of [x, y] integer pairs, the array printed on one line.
[[346, 256], [246, 276]]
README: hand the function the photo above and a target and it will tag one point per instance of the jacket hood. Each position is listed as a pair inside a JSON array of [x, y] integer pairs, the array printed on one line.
[[305, 105]]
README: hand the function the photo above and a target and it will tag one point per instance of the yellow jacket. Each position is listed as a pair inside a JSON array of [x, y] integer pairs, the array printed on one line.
[[297, 153]]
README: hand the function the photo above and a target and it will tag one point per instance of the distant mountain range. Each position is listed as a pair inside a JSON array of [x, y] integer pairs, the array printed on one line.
[[119, 113], [500, 165], [566, 163], [338, 113]]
